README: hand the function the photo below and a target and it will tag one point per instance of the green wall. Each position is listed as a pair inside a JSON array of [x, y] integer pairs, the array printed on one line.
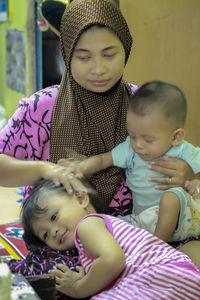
[[21, 17]]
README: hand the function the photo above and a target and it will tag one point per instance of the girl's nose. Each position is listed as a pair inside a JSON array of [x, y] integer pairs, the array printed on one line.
[[54, 231]]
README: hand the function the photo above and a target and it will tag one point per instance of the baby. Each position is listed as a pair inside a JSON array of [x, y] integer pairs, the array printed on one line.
[[155, 125]]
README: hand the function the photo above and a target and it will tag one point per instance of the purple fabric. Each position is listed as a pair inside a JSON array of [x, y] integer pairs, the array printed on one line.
[[27, 134]]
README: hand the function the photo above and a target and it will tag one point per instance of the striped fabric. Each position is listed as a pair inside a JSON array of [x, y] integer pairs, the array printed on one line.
[[154, 270]]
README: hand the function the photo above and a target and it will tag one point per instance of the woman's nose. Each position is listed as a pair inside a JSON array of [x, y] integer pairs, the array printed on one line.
[[98, 66]]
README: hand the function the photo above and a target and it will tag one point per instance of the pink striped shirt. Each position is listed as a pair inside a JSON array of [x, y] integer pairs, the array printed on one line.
[[153, 270]]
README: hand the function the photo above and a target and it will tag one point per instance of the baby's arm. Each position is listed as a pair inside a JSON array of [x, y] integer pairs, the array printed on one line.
[[88, 166], [107, 266], [193, 187], [96, 163], [169, 209]]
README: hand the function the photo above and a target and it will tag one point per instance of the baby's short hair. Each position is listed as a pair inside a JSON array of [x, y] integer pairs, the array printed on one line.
[[161, 94]]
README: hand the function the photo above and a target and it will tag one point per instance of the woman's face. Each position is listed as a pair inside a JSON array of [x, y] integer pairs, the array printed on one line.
[[98, 60]]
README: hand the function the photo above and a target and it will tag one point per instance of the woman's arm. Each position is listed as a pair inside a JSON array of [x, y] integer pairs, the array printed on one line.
[[175, 168], [109, 262], [16, 172]]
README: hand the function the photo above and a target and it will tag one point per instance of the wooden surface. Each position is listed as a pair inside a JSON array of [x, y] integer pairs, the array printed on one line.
[[166, 46]]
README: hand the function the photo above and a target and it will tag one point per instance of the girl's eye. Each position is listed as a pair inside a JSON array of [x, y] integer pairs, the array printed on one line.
[[45, 235], [53, 217]]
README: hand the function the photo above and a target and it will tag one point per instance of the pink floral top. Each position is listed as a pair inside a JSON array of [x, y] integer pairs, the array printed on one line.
[[27, 134]]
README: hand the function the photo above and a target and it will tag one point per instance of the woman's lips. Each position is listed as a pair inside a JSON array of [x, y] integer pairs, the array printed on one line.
[[99, 83]]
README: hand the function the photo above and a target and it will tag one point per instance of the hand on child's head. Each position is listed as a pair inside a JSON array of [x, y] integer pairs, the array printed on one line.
[[60, 174], [73, 166]]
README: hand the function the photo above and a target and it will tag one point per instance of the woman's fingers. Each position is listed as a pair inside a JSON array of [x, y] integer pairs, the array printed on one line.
[[176, 171], [63, 175]]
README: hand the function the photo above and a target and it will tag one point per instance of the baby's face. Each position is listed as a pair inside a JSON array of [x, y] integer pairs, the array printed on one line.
[[57, 225], [150, 135]]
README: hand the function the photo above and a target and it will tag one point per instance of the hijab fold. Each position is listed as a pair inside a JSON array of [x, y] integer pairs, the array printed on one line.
[[86, 123]]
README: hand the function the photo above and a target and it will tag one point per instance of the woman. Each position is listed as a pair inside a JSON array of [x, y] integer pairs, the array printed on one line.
[[86, 115]]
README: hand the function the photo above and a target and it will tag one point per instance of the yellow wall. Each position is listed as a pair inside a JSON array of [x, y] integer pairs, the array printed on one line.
[[21, 17], [166, 36]]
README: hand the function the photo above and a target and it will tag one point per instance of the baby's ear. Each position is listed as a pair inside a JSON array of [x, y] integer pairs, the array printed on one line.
[[178, 136]]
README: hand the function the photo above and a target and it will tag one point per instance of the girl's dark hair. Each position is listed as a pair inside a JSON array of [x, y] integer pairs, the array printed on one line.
[[31, 209], [160, 94]]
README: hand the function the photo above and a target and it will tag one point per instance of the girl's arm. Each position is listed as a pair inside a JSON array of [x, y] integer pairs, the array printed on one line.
[[109, 262]]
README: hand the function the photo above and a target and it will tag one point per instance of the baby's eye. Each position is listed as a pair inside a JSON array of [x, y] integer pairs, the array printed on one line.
[[53, 217], [132, 136], [148, 141]]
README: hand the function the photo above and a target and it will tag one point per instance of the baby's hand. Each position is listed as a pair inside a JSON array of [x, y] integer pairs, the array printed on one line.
[[66, 280], [193, 187], [73, 166]]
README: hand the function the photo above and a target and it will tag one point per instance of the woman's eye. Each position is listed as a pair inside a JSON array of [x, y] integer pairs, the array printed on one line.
[[83, 57], [53, 217], [109, 55]]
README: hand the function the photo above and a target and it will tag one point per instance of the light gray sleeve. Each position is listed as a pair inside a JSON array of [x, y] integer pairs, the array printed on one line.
[[121, 154], [191, 155]]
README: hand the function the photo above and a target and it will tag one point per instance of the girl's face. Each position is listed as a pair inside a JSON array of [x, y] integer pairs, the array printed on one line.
[[98, 60], [57, 225], [151, 136]]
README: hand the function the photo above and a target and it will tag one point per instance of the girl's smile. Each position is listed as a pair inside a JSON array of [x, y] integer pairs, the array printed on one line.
[[56, 226]]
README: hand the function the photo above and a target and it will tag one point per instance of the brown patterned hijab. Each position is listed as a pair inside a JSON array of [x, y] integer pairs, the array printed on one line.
[[86, 122]]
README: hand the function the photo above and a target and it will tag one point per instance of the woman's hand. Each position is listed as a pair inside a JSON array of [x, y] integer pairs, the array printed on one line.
[[62, 175], [66, 280], [193, 187], [177, 170]]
